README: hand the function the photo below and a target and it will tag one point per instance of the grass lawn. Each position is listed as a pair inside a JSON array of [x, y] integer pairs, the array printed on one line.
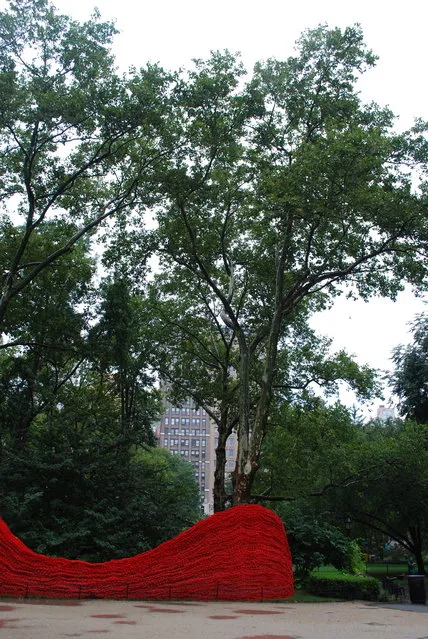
[[386, 569], [374, 570], [327, 571]]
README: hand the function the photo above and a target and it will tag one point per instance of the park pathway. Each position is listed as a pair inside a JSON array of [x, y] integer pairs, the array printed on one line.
[[35, 619]]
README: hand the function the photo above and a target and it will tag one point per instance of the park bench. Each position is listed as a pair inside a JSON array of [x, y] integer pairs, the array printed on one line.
[[396, 590]]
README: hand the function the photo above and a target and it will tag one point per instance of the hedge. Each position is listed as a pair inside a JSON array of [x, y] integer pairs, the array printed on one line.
[[344, 587]]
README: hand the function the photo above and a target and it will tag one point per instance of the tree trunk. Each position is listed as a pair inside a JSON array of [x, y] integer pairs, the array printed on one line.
[[242, 489], [224, 429], [416, 537], [219, 492], [250, 439], [419, 561]]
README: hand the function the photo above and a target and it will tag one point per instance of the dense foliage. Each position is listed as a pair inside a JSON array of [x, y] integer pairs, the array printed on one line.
[[410, 379], [324, 473], [313, 541], [79, 493]]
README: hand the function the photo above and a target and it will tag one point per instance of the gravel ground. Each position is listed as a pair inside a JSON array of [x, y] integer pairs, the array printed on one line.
[[35, 619]]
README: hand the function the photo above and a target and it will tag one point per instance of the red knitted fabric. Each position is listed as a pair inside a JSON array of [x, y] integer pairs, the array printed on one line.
[[240, 554]]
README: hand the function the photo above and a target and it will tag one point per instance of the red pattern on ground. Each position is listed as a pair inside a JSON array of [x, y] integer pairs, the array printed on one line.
[[158, 609], [129, 623], [107, 616], [6, 608], [4, 623], [49, 602], [183, 603], [259, 612], [222, 617], [241, 554], [267, 637], [170, 603]]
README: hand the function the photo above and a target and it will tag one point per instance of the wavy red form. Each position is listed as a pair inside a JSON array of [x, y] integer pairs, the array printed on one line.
[[240, 554]]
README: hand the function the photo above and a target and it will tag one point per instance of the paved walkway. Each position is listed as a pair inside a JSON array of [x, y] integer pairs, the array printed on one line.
[[34, 619]]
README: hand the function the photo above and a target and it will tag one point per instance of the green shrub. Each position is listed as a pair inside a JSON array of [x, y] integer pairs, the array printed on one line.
[[312, 542], [354, 559], [344, 587]]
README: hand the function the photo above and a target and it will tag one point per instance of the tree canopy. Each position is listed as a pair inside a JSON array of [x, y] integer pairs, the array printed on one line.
[[287, 192], [77, 140]]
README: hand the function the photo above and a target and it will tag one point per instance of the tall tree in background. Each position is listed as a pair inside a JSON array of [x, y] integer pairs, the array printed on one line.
[[120, 352], [410, 378], [286, 190]]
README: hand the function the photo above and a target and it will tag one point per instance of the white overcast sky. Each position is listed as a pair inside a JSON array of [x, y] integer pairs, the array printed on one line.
[[173, 32]]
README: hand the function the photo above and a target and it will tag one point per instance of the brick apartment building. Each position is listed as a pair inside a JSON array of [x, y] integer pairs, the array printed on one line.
[[190, 432]]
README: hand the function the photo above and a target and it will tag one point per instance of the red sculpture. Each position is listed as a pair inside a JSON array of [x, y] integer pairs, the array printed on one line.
[[240, 554]]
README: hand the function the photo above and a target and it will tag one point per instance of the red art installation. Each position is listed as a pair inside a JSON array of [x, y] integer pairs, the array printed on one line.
[[240, 554]]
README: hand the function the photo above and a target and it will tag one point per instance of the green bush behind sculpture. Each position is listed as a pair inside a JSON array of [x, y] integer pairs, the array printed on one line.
[[344, 587]]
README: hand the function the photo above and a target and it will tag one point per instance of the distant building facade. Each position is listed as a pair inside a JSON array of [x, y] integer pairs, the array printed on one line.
[[189, 432], [384, 413]]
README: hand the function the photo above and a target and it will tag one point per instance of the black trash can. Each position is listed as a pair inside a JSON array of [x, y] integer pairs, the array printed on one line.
[[417, 589]]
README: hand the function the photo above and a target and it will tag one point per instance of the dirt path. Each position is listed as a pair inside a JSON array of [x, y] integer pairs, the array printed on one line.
[[225, 620]]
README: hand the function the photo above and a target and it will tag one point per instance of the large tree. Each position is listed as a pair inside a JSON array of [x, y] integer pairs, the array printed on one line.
[[286, 190], [76, 139]]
